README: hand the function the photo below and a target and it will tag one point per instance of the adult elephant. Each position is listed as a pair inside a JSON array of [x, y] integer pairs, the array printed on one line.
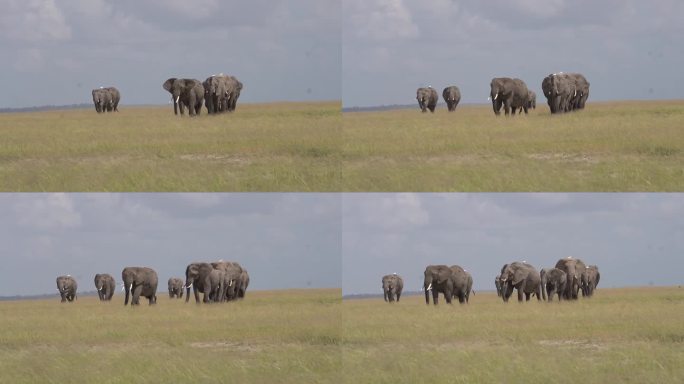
[[427, 99], [509, 93], [497, 284], [175, 287], [565, 92], [451, 96], [140, 281], [232, 278], [437, 279], [67, 286], [593, 277], [576, 271], [185, 93], [221, 93], [392, 285], [462, 283], [105, 285], [523, 277], [553, 282], [199, 276], [580, 92], [103, 99], [244, 283], [115, 97]]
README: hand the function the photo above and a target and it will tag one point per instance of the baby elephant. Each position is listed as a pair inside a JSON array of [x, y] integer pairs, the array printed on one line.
[[553, 281], [105, 284], [392, 286], [175, 288]]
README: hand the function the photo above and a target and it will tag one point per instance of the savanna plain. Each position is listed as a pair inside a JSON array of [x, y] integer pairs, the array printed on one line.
[[608, 146], [259, 147], [629, 335], [288, 336]]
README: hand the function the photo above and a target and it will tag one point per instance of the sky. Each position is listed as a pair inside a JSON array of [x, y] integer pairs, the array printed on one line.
[[55, 52], [283, 240], [627, 49], [634, 239]]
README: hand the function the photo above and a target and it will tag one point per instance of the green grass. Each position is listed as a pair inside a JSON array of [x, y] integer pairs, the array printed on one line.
[[618, 336], [260, 147], [623, 146], [270, 337]]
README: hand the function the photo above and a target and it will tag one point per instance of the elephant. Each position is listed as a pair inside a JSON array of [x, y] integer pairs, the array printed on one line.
[[140, 281], [105, 285], [185, 93], [531, 101], [553, 282], [106, 99], [199, 276], [469, 286], [452, 96], [523, 277], [232, 279], [392, 285], [175, 288], [244, 283], [511, 93], [576, 271], [565, 92], [67, 286], [221, 93], [438, 279], [497, 284], [593, 277], [427, 99]]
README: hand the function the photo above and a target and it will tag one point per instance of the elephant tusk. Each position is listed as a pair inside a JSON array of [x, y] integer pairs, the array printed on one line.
[[496, 96], [429, 287], [177, 98], [230, 283], [130, 287]]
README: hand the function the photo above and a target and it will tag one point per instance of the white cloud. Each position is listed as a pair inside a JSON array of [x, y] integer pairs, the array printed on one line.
[[393, 212], [33, 21], [380, 20], [47, 212]]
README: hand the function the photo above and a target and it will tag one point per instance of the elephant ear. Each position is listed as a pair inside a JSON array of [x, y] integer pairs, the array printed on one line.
[[519, 276], [169, 83]]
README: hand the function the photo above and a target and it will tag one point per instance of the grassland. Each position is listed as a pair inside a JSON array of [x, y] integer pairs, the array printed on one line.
[[260, 147], [618, 336], [270, 337], [623, 146]]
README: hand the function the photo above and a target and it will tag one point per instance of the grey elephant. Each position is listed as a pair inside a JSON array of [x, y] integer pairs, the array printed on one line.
[[67, 286], [185, 93], [140, 281], [593, 277], [392, 285], [462, 283], [565, 92], [553, 282], [437, 279], [221, 93], [497, 284], [244, 283], [509, 93], [175, 287], [106, 99], [576, 271], [451, 96], [105, 285], [427, 99], [201, 279], [531, 101], [523, 277], [232, 278]]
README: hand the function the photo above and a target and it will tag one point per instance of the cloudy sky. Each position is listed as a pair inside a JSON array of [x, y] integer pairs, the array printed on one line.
[[635, 239], [284, 240], [627, 49], [56, 52]]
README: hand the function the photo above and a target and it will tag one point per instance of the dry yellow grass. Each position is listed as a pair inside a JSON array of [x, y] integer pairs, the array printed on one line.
[[621, 146], [260, 147]]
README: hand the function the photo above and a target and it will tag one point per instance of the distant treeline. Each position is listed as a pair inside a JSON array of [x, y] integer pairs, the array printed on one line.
[[43, 296], [46, 108], [389, 107]]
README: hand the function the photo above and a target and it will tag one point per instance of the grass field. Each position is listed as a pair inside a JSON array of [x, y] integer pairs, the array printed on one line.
[[260, 147], [618, 336], [623, 146], [270, 337]]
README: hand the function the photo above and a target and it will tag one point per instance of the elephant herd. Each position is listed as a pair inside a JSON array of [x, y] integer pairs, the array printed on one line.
[[219, 281], [564, 92], [219, 93], [569, 277]]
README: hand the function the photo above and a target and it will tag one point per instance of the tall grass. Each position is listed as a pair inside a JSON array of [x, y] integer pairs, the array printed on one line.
[[618, 336], [623, 146], [270, 337], [260, 147]]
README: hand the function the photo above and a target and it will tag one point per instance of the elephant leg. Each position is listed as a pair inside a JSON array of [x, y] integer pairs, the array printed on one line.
[[427, 297], [435, 296], [127, 288], [507, 107], [398, 296], [385, 295], [196, 292], [191, 104], [137, 290], [520, 293]]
